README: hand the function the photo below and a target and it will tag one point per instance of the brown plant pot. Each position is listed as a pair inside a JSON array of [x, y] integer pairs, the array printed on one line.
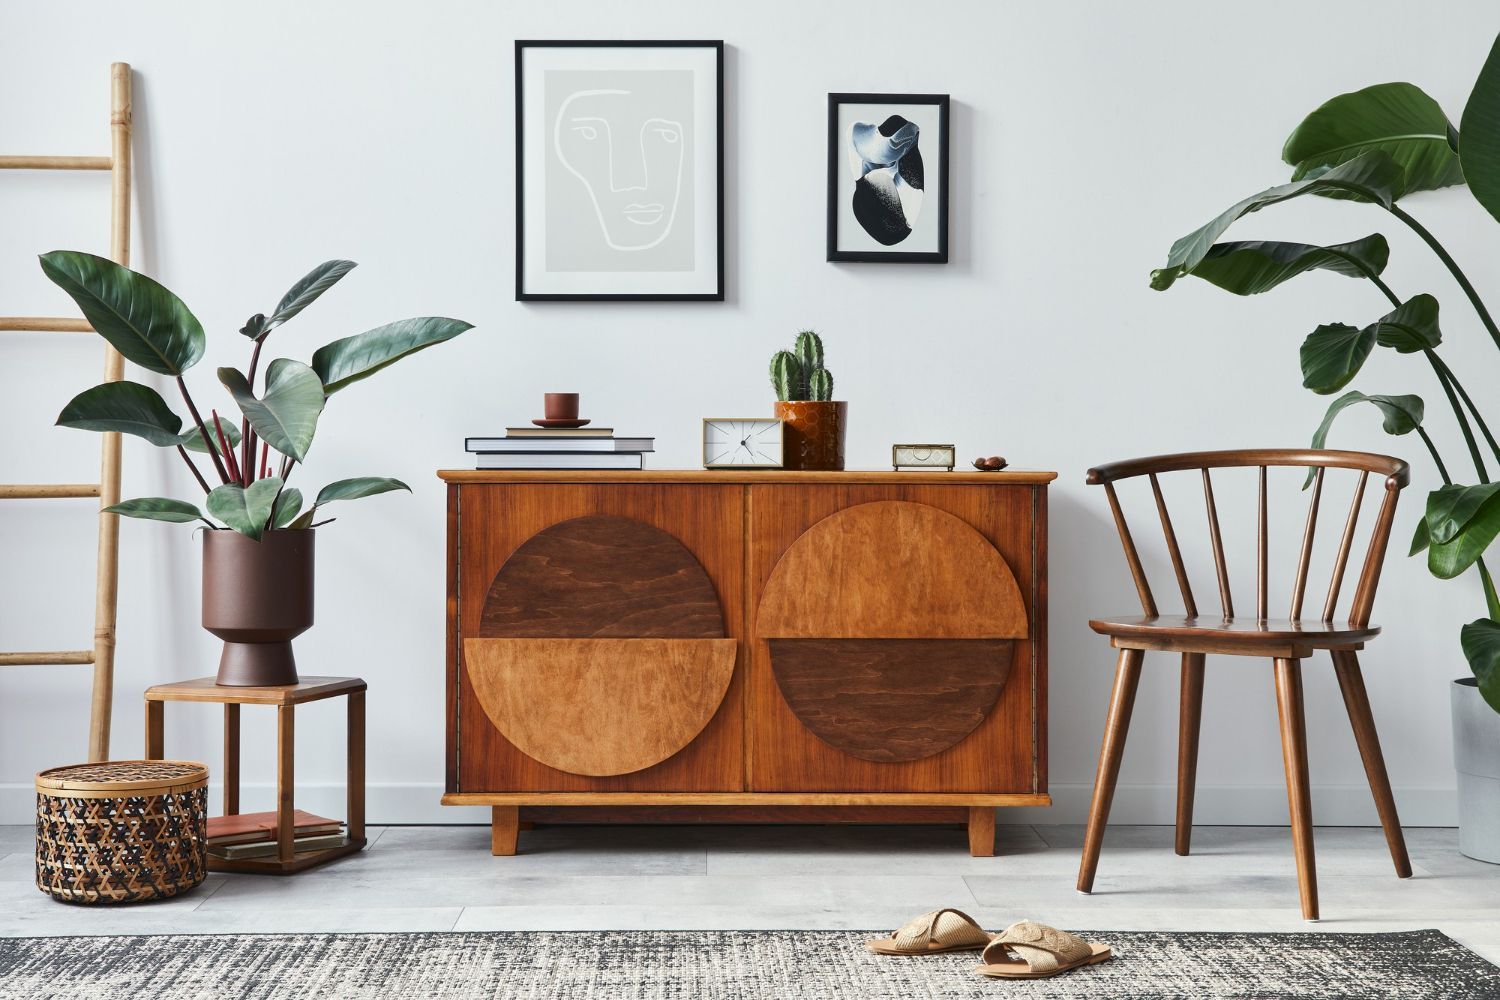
[[813, 433], [258, 597]]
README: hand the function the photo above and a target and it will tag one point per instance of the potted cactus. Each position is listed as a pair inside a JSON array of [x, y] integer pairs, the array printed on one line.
[[813, 421]]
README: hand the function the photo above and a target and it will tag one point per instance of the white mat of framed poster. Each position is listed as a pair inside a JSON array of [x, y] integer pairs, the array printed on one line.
[[888, 178], [619, 170]]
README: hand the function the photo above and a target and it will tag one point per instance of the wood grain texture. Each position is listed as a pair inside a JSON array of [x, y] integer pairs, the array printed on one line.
[[889, 700], [1002, 755], [1111, 753], [1246, 636], [505, 830], [494, 522], [1002, 799], [602, 577], [1357, 702], [1293, 719], [981, 831], [784, 815], [891, 569], [600, 707], [749, 477], [206, 689], [1189, 723]]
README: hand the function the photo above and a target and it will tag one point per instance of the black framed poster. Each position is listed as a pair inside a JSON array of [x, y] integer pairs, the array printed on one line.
[[619, 170], [888, 177]]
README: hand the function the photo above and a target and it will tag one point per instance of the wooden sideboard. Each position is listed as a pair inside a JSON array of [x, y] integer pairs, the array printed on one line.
[[758, 646]]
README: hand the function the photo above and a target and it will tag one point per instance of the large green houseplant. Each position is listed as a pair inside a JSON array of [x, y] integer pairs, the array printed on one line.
[[1376, 146], [258, 555]]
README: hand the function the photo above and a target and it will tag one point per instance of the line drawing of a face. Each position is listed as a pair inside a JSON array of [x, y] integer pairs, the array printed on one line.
[[629, 162]]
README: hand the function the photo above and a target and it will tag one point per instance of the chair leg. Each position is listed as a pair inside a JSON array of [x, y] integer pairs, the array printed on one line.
[[1357, 701], [1121, 702], [1298, 793], [1189, 720]]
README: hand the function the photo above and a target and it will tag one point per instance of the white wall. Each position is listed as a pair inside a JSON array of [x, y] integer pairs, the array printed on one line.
[[1086, 137]]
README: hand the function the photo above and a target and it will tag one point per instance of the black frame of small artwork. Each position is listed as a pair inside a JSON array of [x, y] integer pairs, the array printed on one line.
[[836, 163], [715, 296]]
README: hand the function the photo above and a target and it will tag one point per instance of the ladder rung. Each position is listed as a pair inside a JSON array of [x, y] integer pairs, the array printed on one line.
[[47, 491], [48, 659], [56, 163], [45, 324]]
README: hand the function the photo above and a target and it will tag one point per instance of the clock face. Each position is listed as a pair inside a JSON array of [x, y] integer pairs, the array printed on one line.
[[744, 442]]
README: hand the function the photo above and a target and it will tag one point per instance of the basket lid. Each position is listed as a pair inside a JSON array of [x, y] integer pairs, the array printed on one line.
[[121, 775]]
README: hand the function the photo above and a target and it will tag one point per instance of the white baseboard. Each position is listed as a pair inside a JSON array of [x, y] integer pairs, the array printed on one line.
[[1235, 805]]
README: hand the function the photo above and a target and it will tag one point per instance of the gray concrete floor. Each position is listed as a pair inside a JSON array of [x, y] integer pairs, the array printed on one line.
[[586, 878]]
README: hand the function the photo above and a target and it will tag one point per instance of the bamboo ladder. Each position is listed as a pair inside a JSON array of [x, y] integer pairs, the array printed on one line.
[[107, 489]]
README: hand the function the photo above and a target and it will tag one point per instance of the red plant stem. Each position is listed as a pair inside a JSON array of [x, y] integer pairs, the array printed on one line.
[[196, 474], [265, 459], [234, 467], [247, 433], [203, 430]]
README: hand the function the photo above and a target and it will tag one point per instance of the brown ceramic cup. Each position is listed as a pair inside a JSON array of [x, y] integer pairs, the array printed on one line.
[[561, 405]]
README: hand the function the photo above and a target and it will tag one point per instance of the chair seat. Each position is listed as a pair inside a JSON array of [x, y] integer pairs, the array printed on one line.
[[1215, 633]]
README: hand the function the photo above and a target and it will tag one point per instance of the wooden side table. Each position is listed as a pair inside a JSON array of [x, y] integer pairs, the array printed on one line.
[[286, 699]]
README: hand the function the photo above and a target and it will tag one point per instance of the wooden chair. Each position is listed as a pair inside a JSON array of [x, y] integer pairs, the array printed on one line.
[[1287, 641]]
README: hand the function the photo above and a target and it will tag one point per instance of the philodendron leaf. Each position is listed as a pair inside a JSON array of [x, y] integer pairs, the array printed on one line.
[[1333, 354], [1481, 644], [193, 441], [1450, 508], [287, 506], [1398, 119], [255, 327], [124, 407], [246, 509], [1479, 150], [349, 489], [1410, 327], [286, 417], [346, 361], [159, 509], [306, 291], [1249, 268], [139, 317], [1447, 560], [1373, 176], [1399, 415]]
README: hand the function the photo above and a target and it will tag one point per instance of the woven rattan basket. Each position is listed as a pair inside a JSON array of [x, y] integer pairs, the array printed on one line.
[[121, 831]]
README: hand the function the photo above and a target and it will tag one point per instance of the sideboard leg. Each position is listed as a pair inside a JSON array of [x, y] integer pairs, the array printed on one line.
[[505, 826], [982, 831]]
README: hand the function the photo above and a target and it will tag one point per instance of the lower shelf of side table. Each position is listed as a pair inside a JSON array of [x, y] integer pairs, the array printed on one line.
[[301, 861]]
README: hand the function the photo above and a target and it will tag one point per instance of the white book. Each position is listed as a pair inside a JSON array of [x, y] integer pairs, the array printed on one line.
[[581, 460], [483, 445]]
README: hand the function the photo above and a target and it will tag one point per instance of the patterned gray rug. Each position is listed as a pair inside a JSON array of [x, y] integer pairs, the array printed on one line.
[[726, 965]]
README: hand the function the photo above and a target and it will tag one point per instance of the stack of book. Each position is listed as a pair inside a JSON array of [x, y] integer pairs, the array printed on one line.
[[253, 835], [560, 448]]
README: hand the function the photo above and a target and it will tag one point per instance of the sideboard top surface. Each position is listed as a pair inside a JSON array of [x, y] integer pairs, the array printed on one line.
[[732, 477]]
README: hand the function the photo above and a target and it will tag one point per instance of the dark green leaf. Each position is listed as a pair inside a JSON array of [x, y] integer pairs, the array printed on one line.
[[306, 291], [1333, 354], [1451, 508], [350, 489], [1249, 268], [1410, 327], [1479, 150], [126, 407], [1373, 177], [1481, 643], [193, 441], [1419, 538], [158, 509], [255, 327], [288, 505], [141, 319], [1399, 415], [247, 509], [286, 417], [1448, 559], [1395, 118], [346, 361]]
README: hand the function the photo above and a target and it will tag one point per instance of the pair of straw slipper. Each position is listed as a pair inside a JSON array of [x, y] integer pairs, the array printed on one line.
[[1024, 950]]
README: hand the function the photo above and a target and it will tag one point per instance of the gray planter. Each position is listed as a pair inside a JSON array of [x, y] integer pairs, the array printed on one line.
[[1476, 755]]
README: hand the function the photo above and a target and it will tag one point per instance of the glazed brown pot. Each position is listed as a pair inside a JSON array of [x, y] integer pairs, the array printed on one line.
[[813, 433], [258, 597]]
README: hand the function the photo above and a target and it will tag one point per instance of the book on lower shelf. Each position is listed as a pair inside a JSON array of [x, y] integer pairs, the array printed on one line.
[[561, 460], [260, 827], [269, 848]]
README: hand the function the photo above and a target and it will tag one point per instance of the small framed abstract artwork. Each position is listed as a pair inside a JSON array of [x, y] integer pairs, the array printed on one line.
[[619, 170], [888, 178]]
